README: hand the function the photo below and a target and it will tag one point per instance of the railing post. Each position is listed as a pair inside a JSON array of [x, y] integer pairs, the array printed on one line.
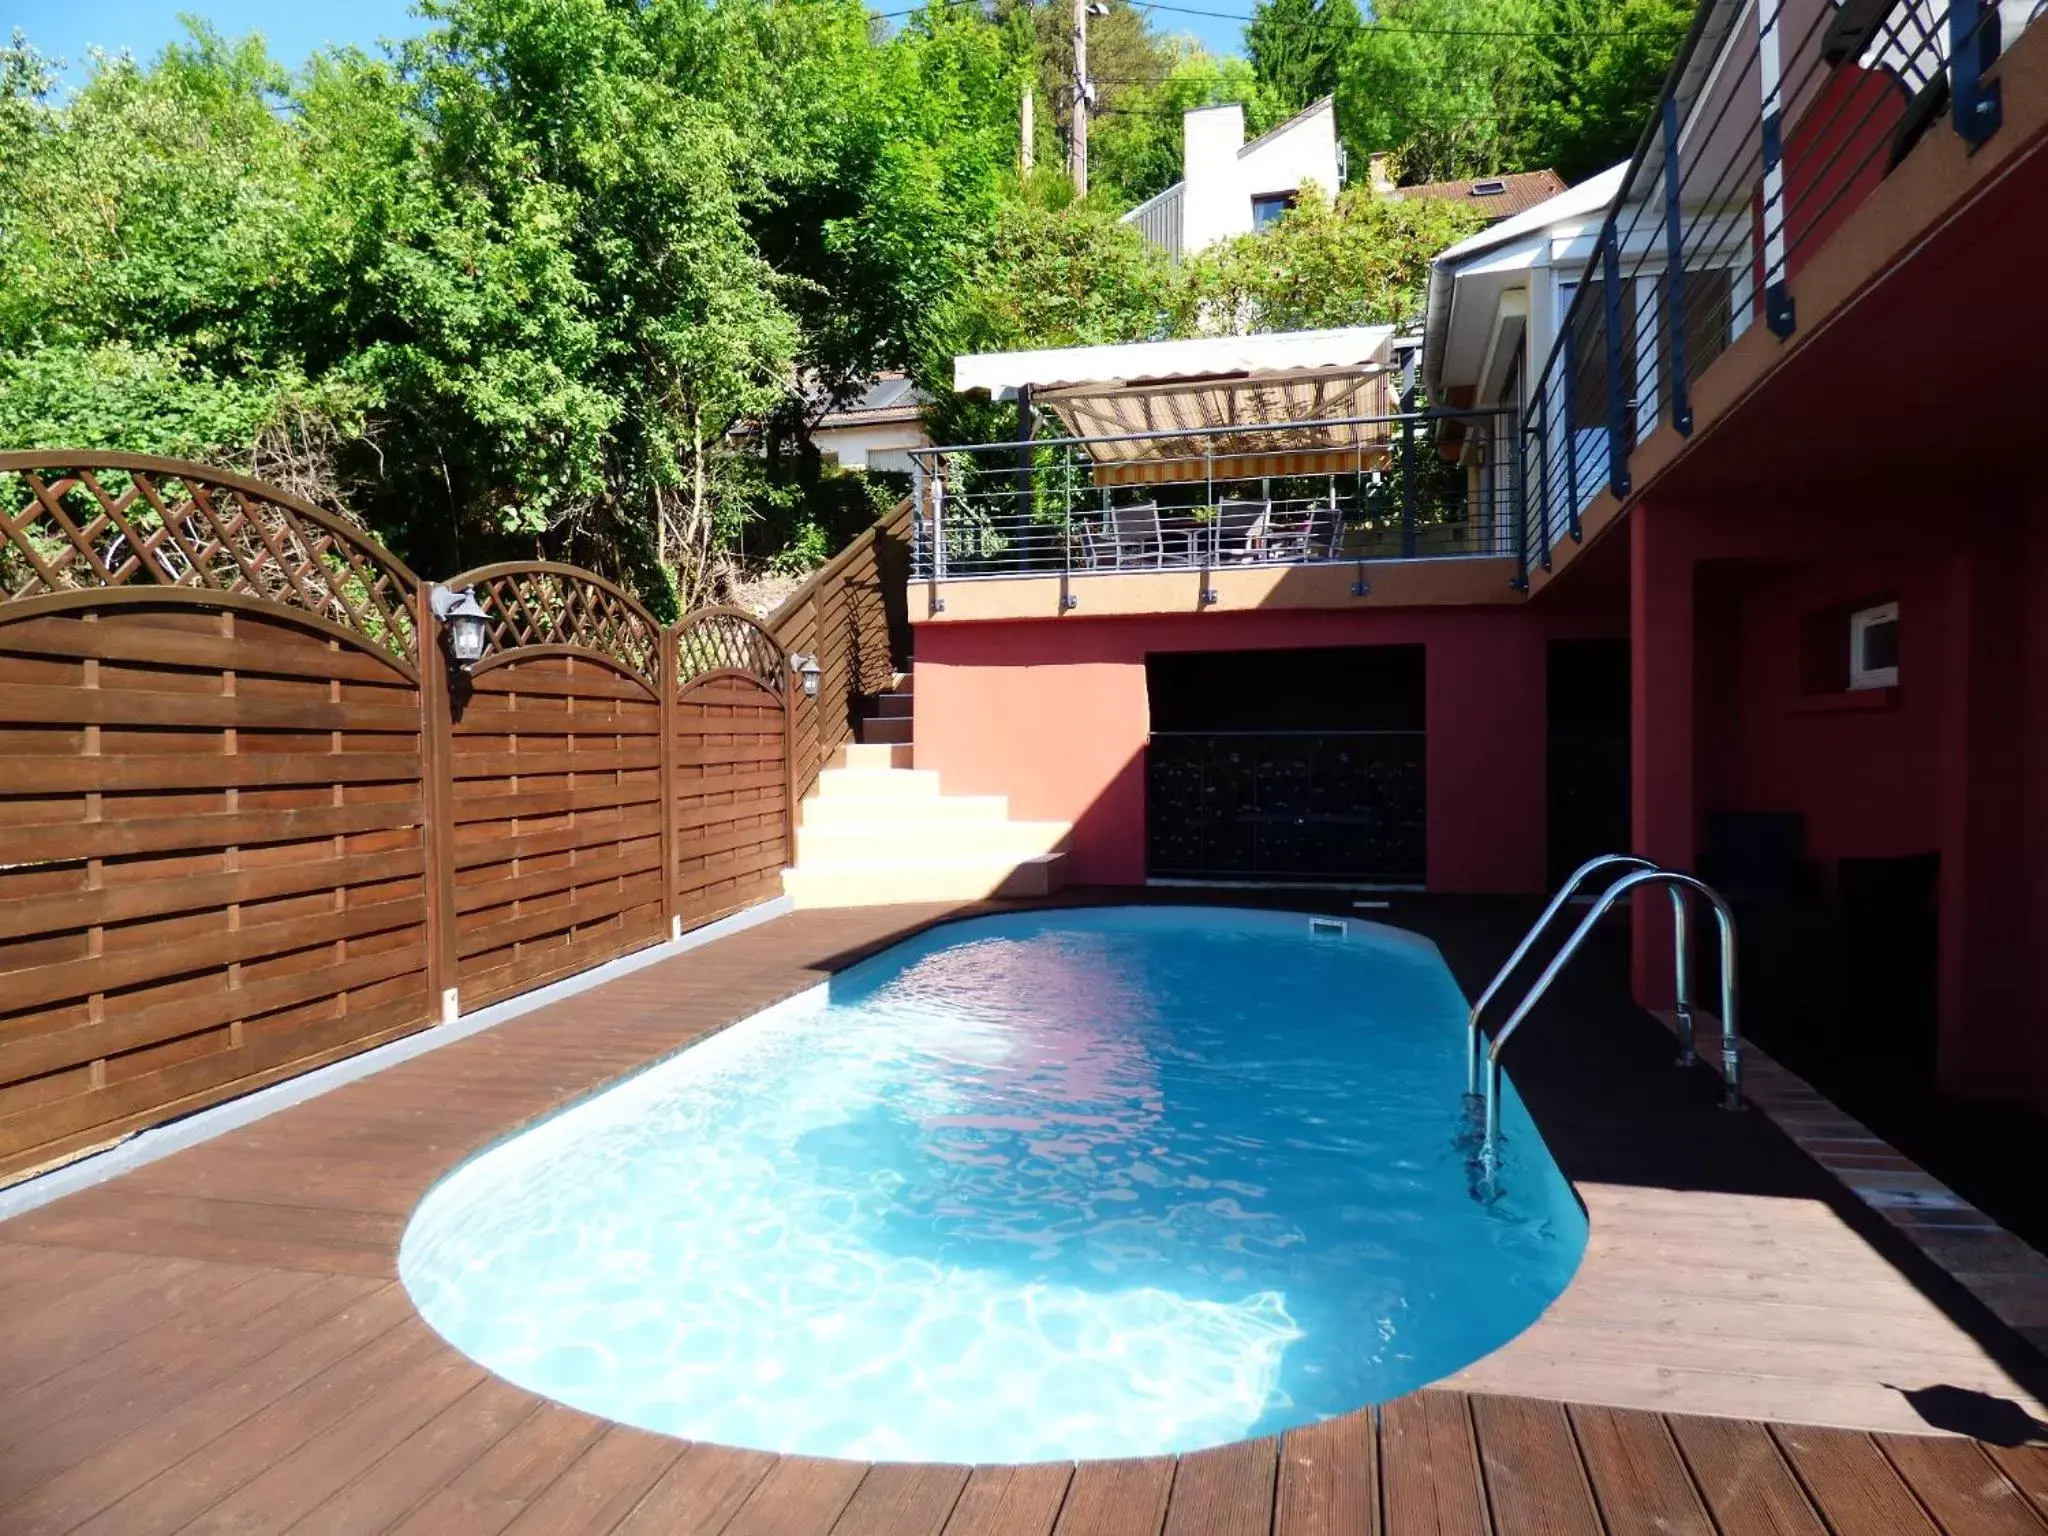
[[1778, 310], [1617, 405], [1674, 272], [1521, 506], [917, 483], [1543, 488], [1973, 44], [437, 820], [1408, 475]]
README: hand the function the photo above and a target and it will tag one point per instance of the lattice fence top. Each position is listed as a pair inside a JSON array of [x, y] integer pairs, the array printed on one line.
[[76, 524], [545, 604], [727, 640]]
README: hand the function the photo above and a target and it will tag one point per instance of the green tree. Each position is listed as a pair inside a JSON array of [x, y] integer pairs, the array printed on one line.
[[1135, 151], [1298, 48], [1600, 70], [1360, 260]]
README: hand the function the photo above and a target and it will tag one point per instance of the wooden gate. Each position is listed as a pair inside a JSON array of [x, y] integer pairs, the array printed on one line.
[[732, 797], [212, 845], [556, 772]]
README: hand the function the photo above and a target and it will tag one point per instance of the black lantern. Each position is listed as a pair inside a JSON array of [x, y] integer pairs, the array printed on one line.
[[465, 627], [806, 667]]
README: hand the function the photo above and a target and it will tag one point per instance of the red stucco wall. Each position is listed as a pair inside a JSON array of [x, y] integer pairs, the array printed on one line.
[[1955, 762], [1053, 713]]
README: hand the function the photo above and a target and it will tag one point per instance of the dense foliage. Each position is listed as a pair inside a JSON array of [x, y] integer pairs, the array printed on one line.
[[577, 276], [1475, 87]]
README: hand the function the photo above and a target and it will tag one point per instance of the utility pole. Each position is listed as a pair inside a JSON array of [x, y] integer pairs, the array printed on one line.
[[1025, 128], [1077, 142]]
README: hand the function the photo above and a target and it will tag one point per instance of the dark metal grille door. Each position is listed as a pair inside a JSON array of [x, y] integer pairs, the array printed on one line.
[[1287, 805]]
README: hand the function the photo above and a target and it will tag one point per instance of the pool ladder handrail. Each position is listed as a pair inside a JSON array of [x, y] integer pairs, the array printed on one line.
[[1644, 873]]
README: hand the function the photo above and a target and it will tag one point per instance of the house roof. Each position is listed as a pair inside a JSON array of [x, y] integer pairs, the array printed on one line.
[[1326, 104], [890, 398], [1004, 373], [1479, 267], [1498, 197]]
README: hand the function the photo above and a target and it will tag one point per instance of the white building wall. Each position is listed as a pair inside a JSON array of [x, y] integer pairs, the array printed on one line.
[[1214, 204], [1292, 156]]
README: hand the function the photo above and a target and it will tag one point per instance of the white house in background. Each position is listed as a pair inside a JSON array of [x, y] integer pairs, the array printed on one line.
[[1229, 187], [1498, 299], [876, 431]]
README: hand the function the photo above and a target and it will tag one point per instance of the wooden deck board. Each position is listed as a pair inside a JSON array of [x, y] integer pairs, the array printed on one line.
[[1227, 1491], [1962, 1487], [1117, 1498], [903, 1500], [1429, 1467], [1638, 1478], [699, 1494], [1534, 1480], [1011, 1501], [1329, 1479], [800, 1496], [1851, 1483], [216, 1342]]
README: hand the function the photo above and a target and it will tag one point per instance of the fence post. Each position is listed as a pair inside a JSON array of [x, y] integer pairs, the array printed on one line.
[[1674, 271], [789, 775], [437, 822], [665, 776], [1617, 407]]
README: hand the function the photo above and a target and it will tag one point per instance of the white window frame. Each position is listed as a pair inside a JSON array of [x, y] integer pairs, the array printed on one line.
[[1861, 622]]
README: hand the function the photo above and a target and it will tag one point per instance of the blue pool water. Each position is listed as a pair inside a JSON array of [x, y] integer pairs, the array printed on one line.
[[1037, 1186]]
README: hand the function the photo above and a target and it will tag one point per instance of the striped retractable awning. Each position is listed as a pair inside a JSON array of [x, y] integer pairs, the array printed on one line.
[[1209, 417]]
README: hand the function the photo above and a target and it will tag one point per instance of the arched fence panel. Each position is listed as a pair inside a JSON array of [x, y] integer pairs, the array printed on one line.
[[213, 846], [732, 806], [254, 816], [559, 857]]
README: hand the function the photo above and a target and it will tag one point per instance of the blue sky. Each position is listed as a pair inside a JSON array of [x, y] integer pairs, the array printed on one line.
[[66, 28]]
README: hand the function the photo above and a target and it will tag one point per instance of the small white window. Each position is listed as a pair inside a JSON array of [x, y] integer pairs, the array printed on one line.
[[1874, 647]]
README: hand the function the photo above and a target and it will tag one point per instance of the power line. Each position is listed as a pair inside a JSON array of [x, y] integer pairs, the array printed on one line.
[[1388, 28], [1381, 26]]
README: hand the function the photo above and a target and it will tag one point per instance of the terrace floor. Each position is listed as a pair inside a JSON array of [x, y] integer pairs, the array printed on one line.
[[218, 1341]]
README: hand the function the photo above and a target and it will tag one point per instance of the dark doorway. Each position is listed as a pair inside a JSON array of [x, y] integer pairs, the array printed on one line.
[[1588, 758], [1297, 765]]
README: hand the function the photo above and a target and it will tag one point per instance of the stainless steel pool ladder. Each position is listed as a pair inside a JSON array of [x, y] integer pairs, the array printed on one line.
[[1643, 873]]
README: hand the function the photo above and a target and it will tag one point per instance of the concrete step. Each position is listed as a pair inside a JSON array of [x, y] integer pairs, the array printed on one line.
[[912, 839], [878, 783], [901, 682], [894, 706], [853, 754], [847, 810], [876, 730], [884, 884]]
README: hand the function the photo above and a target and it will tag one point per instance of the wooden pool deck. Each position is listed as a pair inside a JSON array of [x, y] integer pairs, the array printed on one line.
[[217, 1341]]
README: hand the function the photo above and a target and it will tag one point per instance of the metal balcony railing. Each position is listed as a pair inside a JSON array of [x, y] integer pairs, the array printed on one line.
[[1779, 117], [1417, 485]]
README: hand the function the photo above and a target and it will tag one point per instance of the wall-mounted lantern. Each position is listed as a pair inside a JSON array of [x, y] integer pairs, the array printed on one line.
[[807, 668], [465, 627]]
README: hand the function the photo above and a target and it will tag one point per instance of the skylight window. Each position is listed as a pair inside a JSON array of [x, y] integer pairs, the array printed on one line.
[[1489, 188]]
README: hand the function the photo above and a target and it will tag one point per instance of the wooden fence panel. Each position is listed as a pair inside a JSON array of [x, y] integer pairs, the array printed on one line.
[[731, 807], [556, 803], [212, 871], [853, 616]]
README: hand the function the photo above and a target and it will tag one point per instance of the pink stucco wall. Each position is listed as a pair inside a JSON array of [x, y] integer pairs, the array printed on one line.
[[1053, 713]]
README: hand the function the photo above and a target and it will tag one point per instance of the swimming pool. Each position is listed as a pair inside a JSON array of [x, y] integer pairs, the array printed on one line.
[[1087, 1183]]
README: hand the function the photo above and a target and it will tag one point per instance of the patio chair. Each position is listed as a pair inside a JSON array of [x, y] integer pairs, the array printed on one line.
[[1240, 531], [1135, 535], [1309, 534]]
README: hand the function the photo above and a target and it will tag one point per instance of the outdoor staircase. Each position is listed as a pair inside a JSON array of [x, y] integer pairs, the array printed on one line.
[[877, 830]]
